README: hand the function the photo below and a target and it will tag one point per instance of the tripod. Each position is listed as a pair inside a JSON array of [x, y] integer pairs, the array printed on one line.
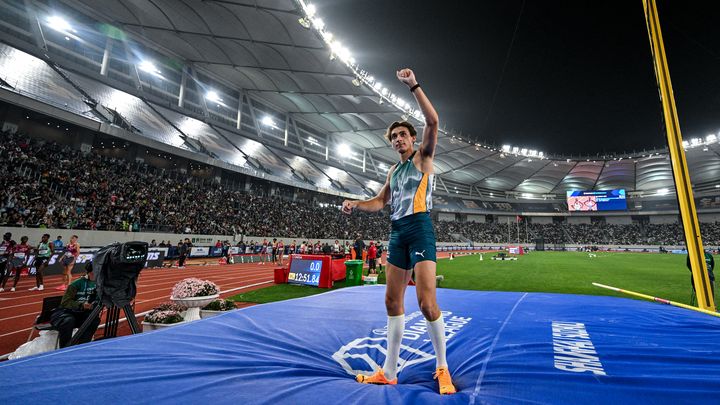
[[111, 321]]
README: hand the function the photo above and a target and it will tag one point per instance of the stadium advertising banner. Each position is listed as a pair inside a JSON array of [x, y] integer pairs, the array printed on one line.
[[197, 251], [155, 259], [608, 200]]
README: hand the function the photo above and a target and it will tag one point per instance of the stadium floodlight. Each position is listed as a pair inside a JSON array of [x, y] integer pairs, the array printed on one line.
[[328, 36], [523, 151], [304, 22], [344, 150], [685, 144], [212, 95], [377, 86], [710, 138], [527, 195], [663, 191], [268, 121], [310, 9], [318, 23], [384, 91], [541, 154], [371, 79], [506, 148], [695, 141], [59, 24], [147, 66], [515, 150]]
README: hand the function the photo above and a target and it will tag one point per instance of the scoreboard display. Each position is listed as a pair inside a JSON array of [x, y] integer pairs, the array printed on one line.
[[304, 271], [608, 200]]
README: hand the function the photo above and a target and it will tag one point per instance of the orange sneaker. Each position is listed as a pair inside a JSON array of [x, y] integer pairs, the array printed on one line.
[[377, 378], [444, 381]]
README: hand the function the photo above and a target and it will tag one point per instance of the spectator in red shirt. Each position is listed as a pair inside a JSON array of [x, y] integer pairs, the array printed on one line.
[[372, 255]]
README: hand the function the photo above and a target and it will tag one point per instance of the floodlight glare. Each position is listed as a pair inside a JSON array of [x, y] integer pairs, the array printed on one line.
[[710, 138], [213, 96], [310, 9], [527, 195], [319, 23], [384, 91], [377, 86], [267, 121], [147, 66], [663, 191], [59, 24], [506, 148], [344, 149]]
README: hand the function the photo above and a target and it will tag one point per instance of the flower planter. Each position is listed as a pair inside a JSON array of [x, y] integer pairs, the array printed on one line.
[[148, 326], [194, 304]]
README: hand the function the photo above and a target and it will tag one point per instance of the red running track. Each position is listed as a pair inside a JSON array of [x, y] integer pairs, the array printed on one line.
[[19, 309]]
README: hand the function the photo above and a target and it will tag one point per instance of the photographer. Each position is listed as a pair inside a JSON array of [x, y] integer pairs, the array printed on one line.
[[76, 305]]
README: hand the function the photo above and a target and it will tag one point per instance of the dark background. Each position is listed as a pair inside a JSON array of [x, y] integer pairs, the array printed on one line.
[[578, 77]]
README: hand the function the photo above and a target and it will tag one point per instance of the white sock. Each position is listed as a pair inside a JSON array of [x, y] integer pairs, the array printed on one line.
[[395, 330], [436, 330]]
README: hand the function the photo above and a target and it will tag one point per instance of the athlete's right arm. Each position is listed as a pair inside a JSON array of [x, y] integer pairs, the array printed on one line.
[[374, 204]]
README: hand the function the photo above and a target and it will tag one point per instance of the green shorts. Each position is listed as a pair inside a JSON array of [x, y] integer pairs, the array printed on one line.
[[412, 240]]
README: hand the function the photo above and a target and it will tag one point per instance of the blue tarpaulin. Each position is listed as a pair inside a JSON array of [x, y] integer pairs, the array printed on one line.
[[503, 348]]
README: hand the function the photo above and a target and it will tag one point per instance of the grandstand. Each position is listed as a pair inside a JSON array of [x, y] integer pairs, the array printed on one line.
[[241, 121]]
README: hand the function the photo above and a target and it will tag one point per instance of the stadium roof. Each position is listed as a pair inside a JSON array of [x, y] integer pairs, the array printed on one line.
[[263, 86]]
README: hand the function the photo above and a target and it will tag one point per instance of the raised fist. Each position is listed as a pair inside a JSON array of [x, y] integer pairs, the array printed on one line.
[[406, 76]]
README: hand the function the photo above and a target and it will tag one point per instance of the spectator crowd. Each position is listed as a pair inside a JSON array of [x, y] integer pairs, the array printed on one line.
[[48, 185]]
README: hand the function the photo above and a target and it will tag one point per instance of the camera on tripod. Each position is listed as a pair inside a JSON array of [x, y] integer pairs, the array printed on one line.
[[116, 268]]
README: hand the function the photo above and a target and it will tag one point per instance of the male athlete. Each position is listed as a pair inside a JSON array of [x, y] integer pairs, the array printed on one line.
[[408, 188]]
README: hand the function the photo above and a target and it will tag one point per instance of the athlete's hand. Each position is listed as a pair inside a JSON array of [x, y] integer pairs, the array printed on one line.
[[348, 206], [406, 76]]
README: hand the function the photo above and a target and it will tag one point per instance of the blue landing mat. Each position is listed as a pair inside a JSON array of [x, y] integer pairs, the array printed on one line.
[[503, 348]]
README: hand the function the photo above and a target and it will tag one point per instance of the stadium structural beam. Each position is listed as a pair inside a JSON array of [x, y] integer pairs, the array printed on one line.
[[106, 57], [35, 26], [134, 74], [183, 86], [681, 175], [252, 115]]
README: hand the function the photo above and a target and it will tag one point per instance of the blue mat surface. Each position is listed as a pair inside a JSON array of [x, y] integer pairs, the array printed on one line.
[[503, 348]]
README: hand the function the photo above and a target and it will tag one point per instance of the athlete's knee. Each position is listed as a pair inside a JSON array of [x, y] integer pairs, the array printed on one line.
[[394, 305], [429, 308]]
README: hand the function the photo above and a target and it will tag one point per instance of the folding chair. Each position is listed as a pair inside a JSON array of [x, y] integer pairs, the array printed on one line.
[[42, 322]]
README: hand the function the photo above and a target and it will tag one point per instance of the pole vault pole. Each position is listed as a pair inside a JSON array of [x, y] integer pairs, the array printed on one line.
[[683, 185], [656, 299]]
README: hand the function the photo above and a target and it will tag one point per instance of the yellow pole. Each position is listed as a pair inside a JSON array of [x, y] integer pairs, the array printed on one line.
[[683, 186], [656, 299]]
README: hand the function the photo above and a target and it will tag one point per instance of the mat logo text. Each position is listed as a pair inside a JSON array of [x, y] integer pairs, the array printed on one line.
[[361, 354], [573, 349]]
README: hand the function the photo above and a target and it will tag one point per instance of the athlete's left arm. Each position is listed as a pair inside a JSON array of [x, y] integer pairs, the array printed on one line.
[[430, 132]]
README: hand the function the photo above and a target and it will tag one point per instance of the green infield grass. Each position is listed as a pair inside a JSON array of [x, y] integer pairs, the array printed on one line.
[[660, 275]]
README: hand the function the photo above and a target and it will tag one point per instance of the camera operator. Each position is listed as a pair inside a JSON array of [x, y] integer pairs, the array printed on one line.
[[76, 306]]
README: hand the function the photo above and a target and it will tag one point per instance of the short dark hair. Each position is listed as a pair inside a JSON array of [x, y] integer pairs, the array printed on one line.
[[396, 124]]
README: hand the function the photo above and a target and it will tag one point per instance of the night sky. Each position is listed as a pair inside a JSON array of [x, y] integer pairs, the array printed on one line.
[[579, 78]]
